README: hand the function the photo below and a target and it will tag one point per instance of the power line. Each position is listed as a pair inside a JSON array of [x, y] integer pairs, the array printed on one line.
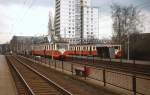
[[30, 5]]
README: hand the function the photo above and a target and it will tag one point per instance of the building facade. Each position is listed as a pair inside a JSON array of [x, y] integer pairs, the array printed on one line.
[[90, 23], [76, 19]]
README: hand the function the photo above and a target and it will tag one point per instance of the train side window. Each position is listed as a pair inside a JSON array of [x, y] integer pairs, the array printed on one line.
[[94, 48], [84, 48], [88, 47]]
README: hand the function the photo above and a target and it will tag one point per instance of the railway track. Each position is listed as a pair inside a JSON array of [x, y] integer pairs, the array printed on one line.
[[72, 84], [31, 82], [20, 86]]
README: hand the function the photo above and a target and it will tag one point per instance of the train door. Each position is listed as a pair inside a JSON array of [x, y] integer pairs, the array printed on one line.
[[103, 52]]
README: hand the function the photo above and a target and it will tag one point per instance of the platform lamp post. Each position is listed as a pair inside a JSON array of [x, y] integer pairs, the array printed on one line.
[[50, 36]]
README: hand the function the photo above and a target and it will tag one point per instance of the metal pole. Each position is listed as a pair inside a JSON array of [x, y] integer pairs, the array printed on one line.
[[45, 55], [52, 52], [93, 58], [128, 46], [49, 62], [104, 76], [62, 64], [72, 68], [134, 84]]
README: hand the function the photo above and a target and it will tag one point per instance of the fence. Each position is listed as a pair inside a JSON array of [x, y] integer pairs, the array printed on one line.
[[137, 85]]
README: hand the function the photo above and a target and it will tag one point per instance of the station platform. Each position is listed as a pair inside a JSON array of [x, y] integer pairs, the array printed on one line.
[[7, 85]]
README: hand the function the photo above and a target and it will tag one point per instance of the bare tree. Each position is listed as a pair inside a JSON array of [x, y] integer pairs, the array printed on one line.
[[126, 21]]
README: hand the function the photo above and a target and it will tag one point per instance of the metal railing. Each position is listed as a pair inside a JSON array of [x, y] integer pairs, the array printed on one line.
[[133, 83]]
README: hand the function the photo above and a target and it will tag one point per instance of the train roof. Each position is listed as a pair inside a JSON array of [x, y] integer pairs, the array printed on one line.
[[97, 45]]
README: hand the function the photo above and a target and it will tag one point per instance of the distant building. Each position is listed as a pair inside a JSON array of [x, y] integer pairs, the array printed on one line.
[[4, 48], [90, 23], [20, 44], [76, 19]]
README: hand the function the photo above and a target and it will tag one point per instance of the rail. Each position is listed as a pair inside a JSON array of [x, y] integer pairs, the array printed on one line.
[[58, 87], [22, 79]]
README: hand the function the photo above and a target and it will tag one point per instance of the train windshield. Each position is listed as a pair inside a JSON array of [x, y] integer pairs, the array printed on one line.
[[62, 46]]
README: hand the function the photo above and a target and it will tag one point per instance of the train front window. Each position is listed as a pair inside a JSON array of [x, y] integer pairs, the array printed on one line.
[[62, 46]]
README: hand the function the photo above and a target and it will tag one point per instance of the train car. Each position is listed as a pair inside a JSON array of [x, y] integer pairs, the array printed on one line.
[[62, 49], [53, 50], [108, 50], [83, 50]]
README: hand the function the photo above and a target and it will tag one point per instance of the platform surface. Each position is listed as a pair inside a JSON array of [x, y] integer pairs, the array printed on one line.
[[7, 85]]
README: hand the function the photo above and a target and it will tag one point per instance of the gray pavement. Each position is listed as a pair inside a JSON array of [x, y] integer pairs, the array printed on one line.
[[7, 85]]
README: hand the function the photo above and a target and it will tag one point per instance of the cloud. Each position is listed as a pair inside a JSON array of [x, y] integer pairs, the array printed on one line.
[[5, 24], [146, 21], [32, 21], [30, 17], [45, 3], [5, 37], [105, 26], [20, 20]]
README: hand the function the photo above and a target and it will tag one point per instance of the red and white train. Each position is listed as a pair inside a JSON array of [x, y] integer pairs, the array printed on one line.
[[58, 50]]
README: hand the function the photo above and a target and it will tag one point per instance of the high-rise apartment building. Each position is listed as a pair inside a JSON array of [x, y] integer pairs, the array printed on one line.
[[76, 19]]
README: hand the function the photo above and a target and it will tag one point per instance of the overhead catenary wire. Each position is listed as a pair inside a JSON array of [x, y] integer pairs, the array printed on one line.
[[27, 4]]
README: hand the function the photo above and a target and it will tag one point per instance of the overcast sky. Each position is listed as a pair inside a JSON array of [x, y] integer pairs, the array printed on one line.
[[30, 17]]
